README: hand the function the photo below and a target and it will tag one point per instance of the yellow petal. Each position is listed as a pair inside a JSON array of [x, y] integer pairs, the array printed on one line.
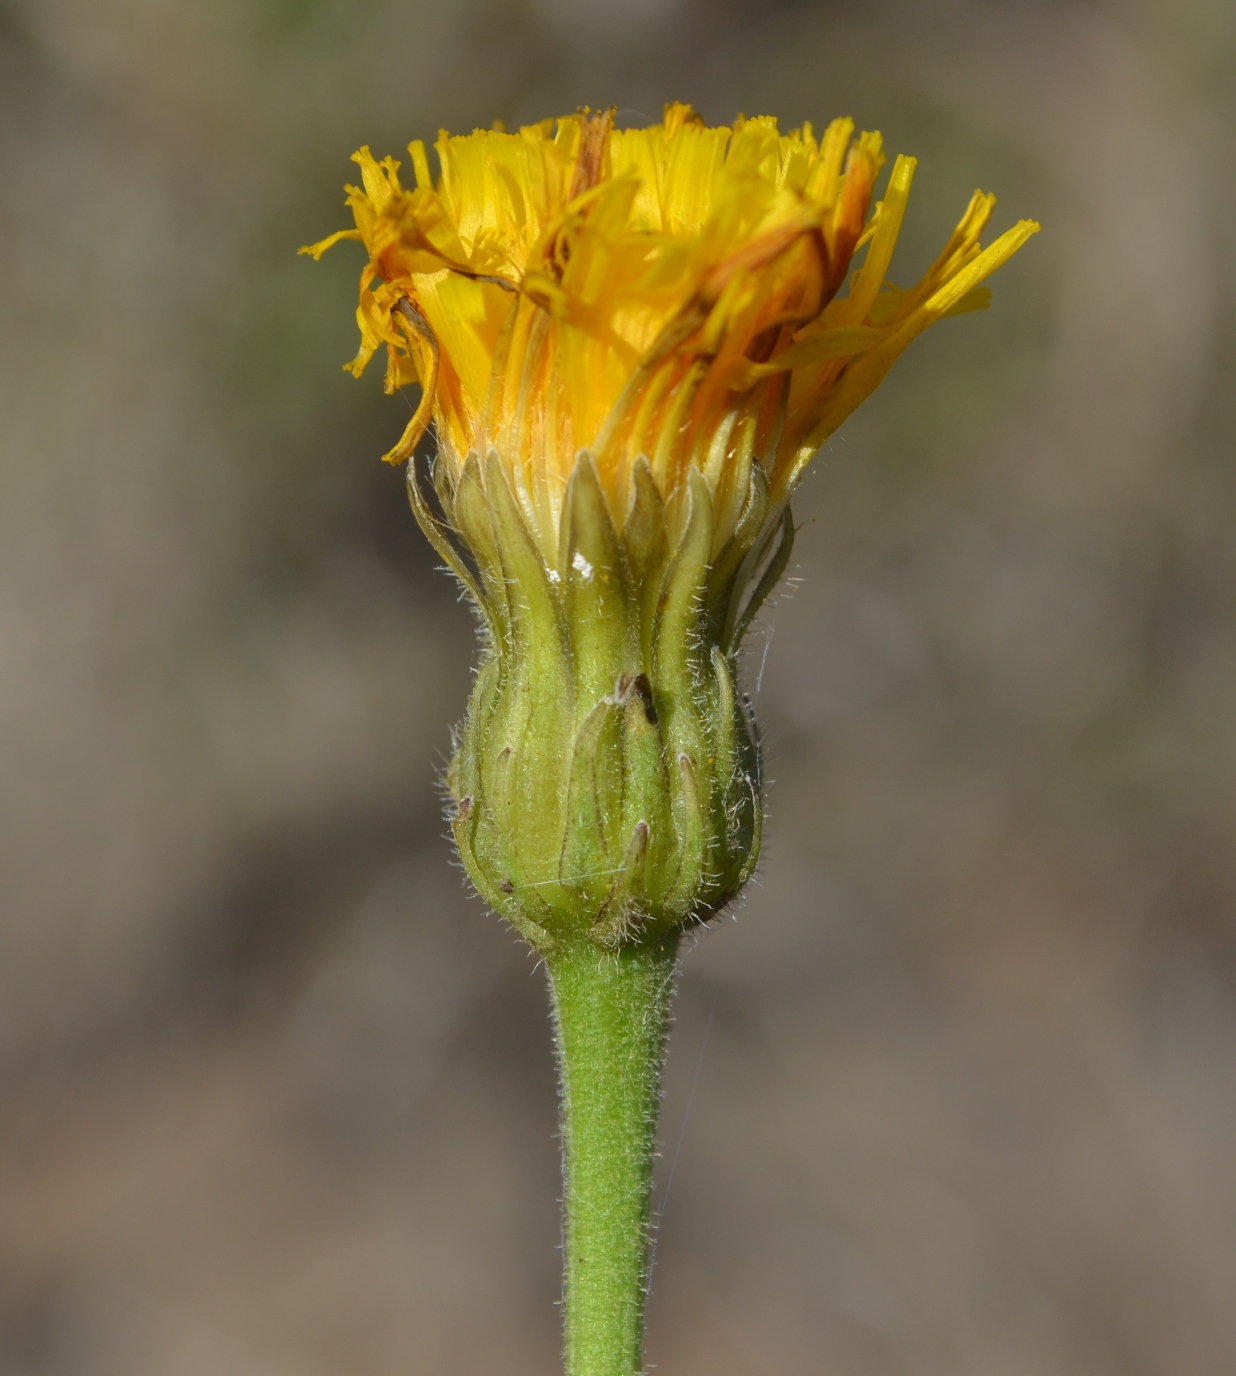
[[862, 377], [318, 249]]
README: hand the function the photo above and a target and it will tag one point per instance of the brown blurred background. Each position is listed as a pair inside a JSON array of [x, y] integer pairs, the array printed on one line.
[[955, 1095]]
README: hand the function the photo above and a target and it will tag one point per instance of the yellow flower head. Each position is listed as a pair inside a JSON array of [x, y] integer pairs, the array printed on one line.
[[677, 292], [630, 342]]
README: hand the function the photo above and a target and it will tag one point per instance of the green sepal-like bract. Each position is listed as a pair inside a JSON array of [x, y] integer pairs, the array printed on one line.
[[607, 779]]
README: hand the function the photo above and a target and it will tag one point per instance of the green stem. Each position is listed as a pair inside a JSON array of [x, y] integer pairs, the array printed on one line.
[[611, 1009]]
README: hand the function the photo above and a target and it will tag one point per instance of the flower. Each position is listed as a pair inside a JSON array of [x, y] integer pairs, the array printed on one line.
[[630, 343], [669, 291]]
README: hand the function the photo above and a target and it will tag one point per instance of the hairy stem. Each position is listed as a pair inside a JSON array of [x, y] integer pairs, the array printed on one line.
[[611, 1009]]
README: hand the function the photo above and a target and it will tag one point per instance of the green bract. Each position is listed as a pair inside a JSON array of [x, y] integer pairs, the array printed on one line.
[[607, 780]]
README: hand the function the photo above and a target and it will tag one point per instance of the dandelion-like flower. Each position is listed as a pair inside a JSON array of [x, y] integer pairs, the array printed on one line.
[[630, 343]]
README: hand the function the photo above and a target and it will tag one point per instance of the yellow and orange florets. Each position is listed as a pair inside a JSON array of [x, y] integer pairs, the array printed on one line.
[[678, 292]]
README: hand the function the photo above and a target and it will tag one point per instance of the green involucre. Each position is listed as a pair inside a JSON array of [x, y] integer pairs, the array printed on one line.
[[607, 780]]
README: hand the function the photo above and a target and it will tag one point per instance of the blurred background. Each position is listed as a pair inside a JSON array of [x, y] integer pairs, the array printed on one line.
[[955, 1092]]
